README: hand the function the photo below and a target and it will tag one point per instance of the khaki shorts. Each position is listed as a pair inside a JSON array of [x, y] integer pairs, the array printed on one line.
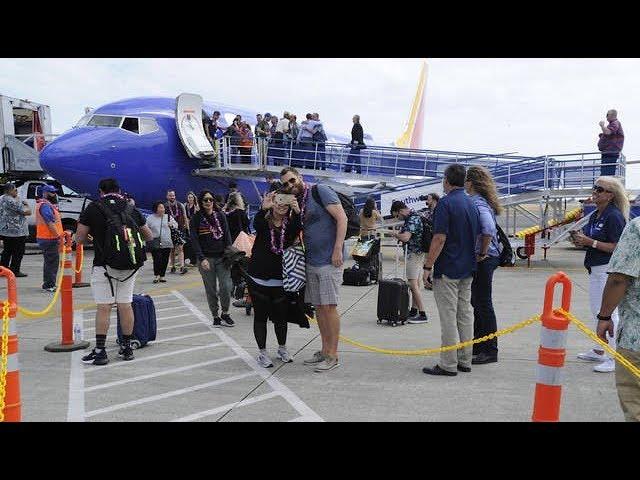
[[415, 262], [123, 291], [323, 285]]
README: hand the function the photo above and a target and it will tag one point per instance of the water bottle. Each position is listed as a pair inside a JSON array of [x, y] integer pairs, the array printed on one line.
[[77, 332]]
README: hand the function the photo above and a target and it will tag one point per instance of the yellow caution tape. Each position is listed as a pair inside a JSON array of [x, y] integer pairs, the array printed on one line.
[[594, 336], [430, 351], [42, 313], [4, 356]]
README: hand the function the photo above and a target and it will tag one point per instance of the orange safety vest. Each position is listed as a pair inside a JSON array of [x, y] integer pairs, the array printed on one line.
[[42, 230]]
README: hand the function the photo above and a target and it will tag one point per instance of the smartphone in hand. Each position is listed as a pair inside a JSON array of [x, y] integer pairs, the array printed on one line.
[[284, 198]]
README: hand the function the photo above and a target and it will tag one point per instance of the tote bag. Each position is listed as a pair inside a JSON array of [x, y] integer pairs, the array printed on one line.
[[294, 269]]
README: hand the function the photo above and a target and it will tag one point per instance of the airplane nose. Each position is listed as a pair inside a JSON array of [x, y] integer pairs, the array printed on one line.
[[68, 159]]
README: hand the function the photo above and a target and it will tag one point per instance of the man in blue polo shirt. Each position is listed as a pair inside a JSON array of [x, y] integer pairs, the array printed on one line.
[[452, 258]]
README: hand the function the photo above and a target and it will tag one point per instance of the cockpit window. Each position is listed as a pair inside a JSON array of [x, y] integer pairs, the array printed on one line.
[[148, 125], [130, 124], [105, 121]]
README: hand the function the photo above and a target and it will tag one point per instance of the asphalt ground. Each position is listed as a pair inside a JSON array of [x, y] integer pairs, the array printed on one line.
[[194, 372]]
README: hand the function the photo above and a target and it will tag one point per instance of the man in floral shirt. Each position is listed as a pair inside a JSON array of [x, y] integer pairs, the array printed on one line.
[[13, 228], [623, 289], [411, 235]]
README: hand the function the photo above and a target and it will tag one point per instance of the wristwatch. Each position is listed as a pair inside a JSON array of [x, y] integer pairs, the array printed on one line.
[[603, 318], [594, 244]]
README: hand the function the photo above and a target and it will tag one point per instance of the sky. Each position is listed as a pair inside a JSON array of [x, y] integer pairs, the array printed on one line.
[[530, 106]]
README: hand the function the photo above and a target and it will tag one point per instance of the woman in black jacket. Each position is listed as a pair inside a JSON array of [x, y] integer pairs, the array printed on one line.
[[209, 237], [277, 227]]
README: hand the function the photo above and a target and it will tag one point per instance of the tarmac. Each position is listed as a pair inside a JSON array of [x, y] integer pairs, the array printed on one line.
[[194, 372]]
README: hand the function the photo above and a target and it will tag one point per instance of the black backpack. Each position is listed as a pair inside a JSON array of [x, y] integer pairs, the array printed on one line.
[[507, 257], [427, 234], [123, 242], [353, 220]]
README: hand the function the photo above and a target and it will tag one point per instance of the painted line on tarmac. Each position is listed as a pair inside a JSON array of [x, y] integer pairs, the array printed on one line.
[[173, 393], [155, 342], [151, 293], [76, 407], [152, 357], [301, 407], [112, 325], [179, 326], [228, 406], [158, 374]]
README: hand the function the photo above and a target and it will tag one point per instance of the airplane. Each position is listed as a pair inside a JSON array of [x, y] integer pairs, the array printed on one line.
[[152, 144]]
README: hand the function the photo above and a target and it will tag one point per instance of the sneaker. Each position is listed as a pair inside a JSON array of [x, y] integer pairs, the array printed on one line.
[[183, 270], [283, 354], [592, 356], [96, 357], [226, 320], [329, 364], [609, 365], [49, 289], [20, 274], [162, 280], [317, 358], [418, 319], [413, 312], [126, 353], [242, 303], [173, 269], [264, 360], [217, 322]]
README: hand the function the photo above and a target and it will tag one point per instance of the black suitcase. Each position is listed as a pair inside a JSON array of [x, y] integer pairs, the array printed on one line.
[[393, 299], [356, 276]]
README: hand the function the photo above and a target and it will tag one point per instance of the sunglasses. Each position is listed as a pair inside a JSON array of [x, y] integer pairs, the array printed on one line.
[[599, 189], [207, 199], [291, 181]]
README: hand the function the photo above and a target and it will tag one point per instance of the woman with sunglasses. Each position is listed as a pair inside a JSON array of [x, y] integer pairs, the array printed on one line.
[[209, 238], [277, 228], [600, 236]]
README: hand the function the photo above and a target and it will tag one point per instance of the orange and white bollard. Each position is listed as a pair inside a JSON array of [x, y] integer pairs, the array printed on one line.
[[68, 344], [12, 405], [551, 354], [77, 282]]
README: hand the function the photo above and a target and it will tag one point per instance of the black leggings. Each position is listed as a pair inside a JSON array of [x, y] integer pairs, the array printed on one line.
[[268, 303], [160, 260]]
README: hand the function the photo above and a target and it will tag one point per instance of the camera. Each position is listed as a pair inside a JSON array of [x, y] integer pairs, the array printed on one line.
[[424, 198]]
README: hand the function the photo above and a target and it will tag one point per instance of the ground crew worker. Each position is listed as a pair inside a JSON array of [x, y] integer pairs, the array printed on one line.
[[49, 235]]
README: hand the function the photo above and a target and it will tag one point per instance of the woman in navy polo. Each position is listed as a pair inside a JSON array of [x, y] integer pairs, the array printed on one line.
[[600, 235]]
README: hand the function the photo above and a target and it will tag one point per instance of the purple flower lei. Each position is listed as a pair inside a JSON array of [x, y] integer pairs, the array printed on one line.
[[217, 231], [278, 250], [303, 203]]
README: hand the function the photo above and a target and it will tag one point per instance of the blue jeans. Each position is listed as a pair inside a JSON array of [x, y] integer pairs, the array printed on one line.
[[51, 261], [484, 317], [353, 160]]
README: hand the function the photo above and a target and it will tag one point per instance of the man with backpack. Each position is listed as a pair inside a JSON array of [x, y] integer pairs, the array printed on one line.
[[412, 235], [325, 225], [119, 231]]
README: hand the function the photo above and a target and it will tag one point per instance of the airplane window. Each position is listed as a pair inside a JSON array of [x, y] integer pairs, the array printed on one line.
[[148, 125], [105, 121], [84, 120], [130, 124]]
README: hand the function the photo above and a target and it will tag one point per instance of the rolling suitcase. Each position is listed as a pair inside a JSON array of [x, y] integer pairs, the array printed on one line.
[[393, 298], [144, 321]]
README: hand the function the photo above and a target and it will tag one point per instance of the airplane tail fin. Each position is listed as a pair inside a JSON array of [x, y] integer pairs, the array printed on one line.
[[412, 135]]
